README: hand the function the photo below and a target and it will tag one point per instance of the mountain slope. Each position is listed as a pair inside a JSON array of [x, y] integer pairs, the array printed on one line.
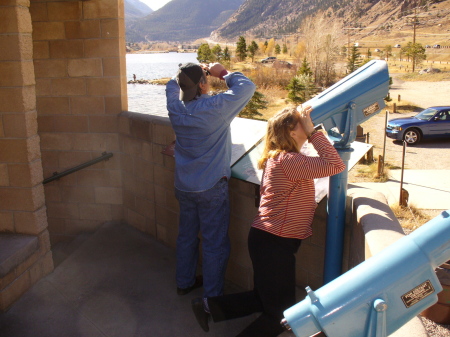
[[135, 9], [266, 18], [182, 20]]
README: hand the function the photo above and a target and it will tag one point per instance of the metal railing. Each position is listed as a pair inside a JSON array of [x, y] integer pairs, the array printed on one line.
[[56, 175]]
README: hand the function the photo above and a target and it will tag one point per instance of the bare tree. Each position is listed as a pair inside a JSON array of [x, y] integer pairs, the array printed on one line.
[[321, 48]]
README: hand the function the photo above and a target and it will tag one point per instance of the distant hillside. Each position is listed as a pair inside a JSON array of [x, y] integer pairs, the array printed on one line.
[[135, 9], [182, 20], [268, 18]]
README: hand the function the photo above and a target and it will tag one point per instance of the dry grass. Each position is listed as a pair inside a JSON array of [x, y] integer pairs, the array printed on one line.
[[410, 217], [370, 173], [402, 106], [437, 77]]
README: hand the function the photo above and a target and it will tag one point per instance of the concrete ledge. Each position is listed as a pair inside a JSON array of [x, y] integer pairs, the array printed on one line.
[[15, 249], [381, 229]]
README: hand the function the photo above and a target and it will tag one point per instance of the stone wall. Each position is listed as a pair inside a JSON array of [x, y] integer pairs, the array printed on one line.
[[150, 205], [79, 62], [22, 202]]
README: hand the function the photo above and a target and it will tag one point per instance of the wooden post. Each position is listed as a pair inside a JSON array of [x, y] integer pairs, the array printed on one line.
[[399, 98], [380, 166], [370, 152], [395, 108]]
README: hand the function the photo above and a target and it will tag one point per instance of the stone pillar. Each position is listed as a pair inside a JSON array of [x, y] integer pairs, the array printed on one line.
[[79, 59], [22, 202]]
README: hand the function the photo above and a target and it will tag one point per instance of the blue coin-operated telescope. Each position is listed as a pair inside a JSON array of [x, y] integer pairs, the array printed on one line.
[[340, 109], [378, 296]]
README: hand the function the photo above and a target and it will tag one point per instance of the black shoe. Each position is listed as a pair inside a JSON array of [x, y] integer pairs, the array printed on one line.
[[197, 284], [200, 314]]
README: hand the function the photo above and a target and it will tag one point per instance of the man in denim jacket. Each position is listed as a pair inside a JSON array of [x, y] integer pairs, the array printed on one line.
[[202, 169]]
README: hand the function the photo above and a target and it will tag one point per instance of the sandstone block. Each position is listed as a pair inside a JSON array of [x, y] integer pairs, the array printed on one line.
[[102, 124], [103, 86], [22, 199], [50, 68], [77, 194], [31, 223], [15, 20], [14, 291], [115, 105], [53, 105], [102, 48], [87, 105], [56, 141], [38, 11], [111, 28], [69, 87], [7, 222], [64, 11], [60, 49], [16, 73], [88, 29], [41, 268], [112, 66], [101, 9], [48, 31], [62, 210], [108, 195], [19, 99], [20, 125], [85, 67], [95, 212], [43, 87], [16, 47], [25, 175]]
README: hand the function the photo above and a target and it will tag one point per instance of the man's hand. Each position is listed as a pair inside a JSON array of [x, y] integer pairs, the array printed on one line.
[[215, 69]]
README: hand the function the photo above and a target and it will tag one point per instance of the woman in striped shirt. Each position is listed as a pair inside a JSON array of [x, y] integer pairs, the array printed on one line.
[[284, 219]]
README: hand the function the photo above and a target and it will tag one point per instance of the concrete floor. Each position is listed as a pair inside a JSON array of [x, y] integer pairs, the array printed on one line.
[[117, 282]]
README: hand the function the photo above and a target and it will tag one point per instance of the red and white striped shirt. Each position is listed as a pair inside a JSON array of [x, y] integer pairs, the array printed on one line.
[[287, 190]]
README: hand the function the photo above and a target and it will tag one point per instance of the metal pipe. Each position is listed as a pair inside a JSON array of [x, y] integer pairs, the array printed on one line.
[[384, 143], [403, 170], [337, 198], [56, 175]]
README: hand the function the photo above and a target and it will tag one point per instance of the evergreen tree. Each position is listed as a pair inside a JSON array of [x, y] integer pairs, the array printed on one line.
[[295, 88], [226, 56], [415, 52], [277, 49], [304, 68], [388, 51], [354, 59], [369, 54], [241, 49], [204, 54], [252, 49], [217, 52], [301, 88], [256, 103], [285, 50]]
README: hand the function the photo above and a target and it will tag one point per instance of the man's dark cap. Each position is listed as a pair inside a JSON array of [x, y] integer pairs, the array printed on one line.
[[188, 78]]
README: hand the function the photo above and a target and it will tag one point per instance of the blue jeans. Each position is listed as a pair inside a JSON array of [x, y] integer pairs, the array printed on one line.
[[207, 212]]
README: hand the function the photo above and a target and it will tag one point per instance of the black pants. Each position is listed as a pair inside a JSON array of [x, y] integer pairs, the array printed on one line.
[[273, 262]]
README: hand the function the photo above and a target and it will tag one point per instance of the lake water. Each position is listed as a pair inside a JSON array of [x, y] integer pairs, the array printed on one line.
[[147, 98]]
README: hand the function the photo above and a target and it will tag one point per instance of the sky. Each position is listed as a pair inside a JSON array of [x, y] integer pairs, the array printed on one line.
[[155, 4]]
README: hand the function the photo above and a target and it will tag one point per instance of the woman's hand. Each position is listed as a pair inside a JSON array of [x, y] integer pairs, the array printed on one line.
[[305, 119]]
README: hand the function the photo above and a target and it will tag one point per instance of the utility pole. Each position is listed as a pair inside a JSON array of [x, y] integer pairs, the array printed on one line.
[[414, 39]]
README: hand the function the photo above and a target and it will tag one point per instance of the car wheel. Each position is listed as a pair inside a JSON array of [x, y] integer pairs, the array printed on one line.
[[411, 136]]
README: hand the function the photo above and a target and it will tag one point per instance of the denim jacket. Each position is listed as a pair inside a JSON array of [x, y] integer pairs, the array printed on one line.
[[202, 129]]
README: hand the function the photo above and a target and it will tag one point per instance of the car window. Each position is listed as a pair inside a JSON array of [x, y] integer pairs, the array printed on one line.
[[426, 114]]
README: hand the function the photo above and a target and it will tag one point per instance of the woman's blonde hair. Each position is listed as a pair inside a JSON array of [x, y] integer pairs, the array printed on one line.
[[278, 136]]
